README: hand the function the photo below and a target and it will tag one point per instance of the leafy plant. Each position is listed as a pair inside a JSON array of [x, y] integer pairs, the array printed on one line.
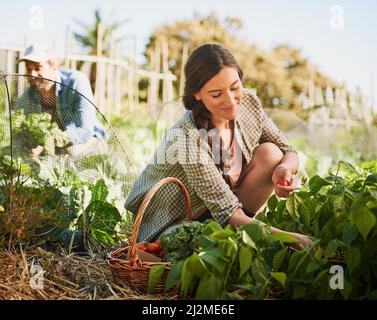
[[54, 210], [341, 212], [227, 261], [100, 217], [30, 210], [37, 129], [181, 241], [338, 211]]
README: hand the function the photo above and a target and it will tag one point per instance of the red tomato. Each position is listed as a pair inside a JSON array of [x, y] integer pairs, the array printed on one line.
[[141, 247], [159, 245], [283, 182], [153, 248]]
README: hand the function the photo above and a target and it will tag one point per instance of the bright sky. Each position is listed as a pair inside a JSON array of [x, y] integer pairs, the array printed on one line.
[[340, 37]]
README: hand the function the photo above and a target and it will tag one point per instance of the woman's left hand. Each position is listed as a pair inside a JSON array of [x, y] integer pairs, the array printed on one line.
[[284, 181], [303, 241]]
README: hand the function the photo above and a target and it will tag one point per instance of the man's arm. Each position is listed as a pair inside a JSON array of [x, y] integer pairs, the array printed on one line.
[[83, 123]]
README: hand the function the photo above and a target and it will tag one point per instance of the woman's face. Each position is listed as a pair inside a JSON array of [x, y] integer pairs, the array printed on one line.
[[222, 95]]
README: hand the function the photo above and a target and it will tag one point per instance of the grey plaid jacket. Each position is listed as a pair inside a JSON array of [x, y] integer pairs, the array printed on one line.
[[185, 154]]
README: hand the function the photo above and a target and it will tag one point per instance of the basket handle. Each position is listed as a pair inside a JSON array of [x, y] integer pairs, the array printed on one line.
[[132, 253]]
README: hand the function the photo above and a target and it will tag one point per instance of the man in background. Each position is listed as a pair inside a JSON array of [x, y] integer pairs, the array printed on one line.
[[67, 96]]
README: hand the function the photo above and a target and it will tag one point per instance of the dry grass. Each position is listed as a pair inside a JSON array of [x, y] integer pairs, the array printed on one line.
[[67, 276]]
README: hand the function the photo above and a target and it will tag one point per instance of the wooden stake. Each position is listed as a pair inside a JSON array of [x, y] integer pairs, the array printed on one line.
[[68, 47], [100, 74], [183, 62], [118, 81]]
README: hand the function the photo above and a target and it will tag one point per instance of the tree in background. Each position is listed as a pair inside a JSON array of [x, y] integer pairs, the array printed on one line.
[[89, 35], [278, 75]]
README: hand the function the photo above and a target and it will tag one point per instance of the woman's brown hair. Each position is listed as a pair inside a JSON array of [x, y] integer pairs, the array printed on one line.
[[203, 64]]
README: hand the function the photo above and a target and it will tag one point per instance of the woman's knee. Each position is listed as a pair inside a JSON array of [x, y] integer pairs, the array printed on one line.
[[268, 154]]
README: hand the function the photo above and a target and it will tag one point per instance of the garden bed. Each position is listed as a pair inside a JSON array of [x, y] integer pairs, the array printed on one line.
[[66, 277]]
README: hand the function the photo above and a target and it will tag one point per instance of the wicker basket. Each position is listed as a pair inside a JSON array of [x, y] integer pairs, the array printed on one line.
[[131, 269]]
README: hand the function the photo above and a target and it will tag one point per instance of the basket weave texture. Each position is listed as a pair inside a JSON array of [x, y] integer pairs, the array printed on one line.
[[125, 263]]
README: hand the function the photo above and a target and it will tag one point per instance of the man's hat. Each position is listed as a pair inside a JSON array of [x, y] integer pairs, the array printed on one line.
[[37, 52]]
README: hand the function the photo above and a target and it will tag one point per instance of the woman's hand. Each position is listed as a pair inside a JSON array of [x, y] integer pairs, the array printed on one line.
[[303, 241], [284, 181]]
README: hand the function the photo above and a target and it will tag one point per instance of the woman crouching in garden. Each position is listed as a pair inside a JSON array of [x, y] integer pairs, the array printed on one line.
[[225, 149]]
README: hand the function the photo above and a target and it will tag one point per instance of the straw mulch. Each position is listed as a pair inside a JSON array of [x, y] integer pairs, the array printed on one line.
[[66, 276]]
